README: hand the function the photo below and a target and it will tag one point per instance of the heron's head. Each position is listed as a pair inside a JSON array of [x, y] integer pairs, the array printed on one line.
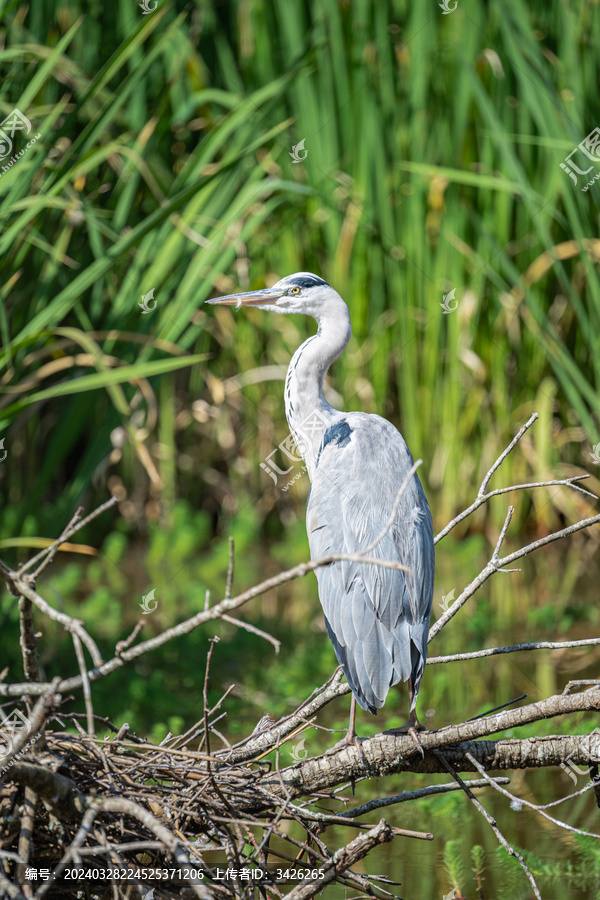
[[300, 293]]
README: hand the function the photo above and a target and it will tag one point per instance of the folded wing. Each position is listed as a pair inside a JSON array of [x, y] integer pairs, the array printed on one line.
[[377, 618]]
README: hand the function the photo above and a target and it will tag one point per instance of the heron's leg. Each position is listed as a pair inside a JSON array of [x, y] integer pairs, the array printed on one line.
[[413, 725], [351, 736]]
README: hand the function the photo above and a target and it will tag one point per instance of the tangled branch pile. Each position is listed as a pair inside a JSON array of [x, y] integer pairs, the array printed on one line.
[[116, 816]]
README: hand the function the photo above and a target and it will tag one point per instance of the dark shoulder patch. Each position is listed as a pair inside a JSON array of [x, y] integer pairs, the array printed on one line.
[[337, 434]]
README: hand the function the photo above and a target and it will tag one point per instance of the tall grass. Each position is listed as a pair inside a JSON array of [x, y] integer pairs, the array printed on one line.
[[433, 148]]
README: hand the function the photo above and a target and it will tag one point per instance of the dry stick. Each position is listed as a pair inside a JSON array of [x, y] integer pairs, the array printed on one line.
[[123, 645], [102, 669], [87, 691], [129, 847], [252, 629], [71, 852], [343, 858], [347, 818], [7, 576], [491, 822], [496, 564], [51, 551], [130, 808], [578, 682], [386, 754], [28, 640], [38, 716], [513, 648], [74, 526], [268, 739], [505, 453], [9, 889], [213, 641], [483, 497], [70, 624], [534, 806], [416, 795], [392, 517], [24, 846], [230, 569]]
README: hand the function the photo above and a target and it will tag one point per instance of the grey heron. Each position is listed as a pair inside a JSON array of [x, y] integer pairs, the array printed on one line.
[[377, 618]]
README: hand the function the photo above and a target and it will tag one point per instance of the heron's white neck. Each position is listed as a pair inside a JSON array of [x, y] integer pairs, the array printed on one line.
[[307, 411]]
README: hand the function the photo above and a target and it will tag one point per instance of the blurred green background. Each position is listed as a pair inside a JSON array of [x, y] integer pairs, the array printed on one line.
[[430, 150]]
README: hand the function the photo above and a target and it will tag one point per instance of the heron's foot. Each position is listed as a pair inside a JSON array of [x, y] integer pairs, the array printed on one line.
[[351, 740], [412, 726]]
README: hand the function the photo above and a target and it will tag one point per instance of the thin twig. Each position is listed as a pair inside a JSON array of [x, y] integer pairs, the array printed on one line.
[[69, 623], [505, 453], [411, 472], [513, 648], [344, 858], [28, 640], [26, 835], [559, 482], [496, 564], [71, 852], [36, 721], [101, 669], [534, 806], [50, 552], [253, 630], [230, 569], [404, 797], [491, 822], [87, 691], [483, 497], [74, 526]]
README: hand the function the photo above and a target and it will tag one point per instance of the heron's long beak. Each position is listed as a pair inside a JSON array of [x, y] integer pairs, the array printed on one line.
[[249, 298]]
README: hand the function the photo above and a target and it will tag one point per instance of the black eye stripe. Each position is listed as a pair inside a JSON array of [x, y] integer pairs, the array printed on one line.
[[307, 281]]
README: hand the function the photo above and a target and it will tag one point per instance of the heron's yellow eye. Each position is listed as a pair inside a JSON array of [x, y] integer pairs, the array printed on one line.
[[295, 290]]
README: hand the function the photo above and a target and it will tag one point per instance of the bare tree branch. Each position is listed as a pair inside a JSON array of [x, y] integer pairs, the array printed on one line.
[[492, 823], [344, 858], [513, 648]]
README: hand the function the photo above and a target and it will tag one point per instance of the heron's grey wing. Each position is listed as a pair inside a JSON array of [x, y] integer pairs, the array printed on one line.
[[377, 618]]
